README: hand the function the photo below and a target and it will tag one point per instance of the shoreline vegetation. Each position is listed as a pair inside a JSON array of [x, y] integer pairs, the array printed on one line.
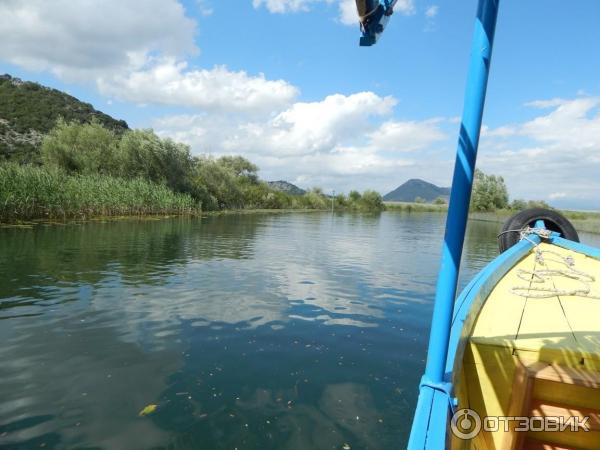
[[586, 221], [87, 170], [83, 171]]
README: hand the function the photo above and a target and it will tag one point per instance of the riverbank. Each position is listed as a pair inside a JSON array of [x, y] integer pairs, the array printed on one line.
[[59, 200], [585, 221], [415, 207], [29, 192], [80, 171]]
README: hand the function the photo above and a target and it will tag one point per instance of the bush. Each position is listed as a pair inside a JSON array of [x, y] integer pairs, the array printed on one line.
[[81, 148], [440, 201]]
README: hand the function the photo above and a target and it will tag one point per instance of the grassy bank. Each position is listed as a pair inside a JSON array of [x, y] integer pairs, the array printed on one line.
[[88, 170], [586, 221], [28, 192], [51, 193], [414, 207]]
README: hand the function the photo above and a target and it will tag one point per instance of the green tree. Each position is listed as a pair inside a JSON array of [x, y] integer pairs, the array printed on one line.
[[489, 192], [419, 200], [141, 153], [354, 196], [538, 204], [240, 167], [439, 201], [518, 204], [315, 199], [341, 201], [218, 185], [371, 201]]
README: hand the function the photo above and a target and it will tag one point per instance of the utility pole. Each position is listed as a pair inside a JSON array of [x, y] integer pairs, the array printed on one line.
[[332, 200]]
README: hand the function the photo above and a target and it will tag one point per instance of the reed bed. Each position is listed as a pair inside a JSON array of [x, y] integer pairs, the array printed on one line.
[[28, 192], [414, 207]]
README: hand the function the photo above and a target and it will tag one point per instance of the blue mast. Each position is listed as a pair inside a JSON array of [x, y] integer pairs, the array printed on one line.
[[435, 380]]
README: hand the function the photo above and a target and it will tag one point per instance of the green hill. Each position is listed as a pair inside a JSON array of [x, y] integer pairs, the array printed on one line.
[[284, 186], [415, 188], [29, 110]]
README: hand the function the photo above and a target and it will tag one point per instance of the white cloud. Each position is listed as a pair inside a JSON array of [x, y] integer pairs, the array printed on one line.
[[430, 15], [341, 142], [303, 128], [204, 7], [503, 131], [557, 195], [284, 6], [76, 39], [348, 12], [406, 7], [571, 125], [432, 11], [559, 149], [406, 136], [544, 104], [131, 53], [170, 82]]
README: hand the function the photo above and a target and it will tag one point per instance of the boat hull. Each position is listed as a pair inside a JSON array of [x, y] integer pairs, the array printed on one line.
[[525, 343]]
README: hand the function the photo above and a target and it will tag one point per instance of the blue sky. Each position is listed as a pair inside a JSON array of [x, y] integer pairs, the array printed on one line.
[[284, 83]]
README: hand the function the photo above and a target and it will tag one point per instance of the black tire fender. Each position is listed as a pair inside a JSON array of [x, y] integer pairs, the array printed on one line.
[[510, 233]]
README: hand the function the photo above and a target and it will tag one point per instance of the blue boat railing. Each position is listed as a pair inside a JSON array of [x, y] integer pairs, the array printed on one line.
[[435, 388]]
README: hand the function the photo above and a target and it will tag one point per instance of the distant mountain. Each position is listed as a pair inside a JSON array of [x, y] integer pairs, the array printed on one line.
[[29, 110], [414, 188], [286, 187]]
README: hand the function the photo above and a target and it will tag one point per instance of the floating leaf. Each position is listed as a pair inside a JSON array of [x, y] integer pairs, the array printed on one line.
[[149, 409]]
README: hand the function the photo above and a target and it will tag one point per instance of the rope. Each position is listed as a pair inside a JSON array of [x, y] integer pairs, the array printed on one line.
[[540, 276], [525, 232]]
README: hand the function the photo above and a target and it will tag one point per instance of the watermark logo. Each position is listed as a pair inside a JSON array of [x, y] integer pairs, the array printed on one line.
[[466, 423]]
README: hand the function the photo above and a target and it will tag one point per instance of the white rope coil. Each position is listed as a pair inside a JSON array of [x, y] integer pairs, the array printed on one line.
[[541, 276]]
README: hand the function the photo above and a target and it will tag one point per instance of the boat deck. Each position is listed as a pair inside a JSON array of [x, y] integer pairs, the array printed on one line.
[[546, 316], [536, 342]]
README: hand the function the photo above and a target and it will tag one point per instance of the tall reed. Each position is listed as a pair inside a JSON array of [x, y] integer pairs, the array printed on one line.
[[28, 192]]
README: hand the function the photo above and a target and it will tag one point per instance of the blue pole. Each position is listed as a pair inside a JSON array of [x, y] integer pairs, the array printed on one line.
[[462, 183]]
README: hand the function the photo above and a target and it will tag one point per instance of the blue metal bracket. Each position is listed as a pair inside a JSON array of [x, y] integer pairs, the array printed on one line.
[[445, 387], [375, 24]]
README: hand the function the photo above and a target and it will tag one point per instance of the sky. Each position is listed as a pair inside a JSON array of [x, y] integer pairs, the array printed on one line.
[[285, 84]]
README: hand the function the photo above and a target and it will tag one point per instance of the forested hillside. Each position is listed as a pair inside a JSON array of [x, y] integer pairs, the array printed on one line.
[[29, 110]]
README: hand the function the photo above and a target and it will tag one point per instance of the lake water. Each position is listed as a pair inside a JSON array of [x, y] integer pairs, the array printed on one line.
[[282, 331]]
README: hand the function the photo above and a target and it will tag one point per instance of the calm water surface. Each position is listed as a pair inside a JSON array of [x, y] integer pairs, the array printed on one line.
[[289, 331]]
